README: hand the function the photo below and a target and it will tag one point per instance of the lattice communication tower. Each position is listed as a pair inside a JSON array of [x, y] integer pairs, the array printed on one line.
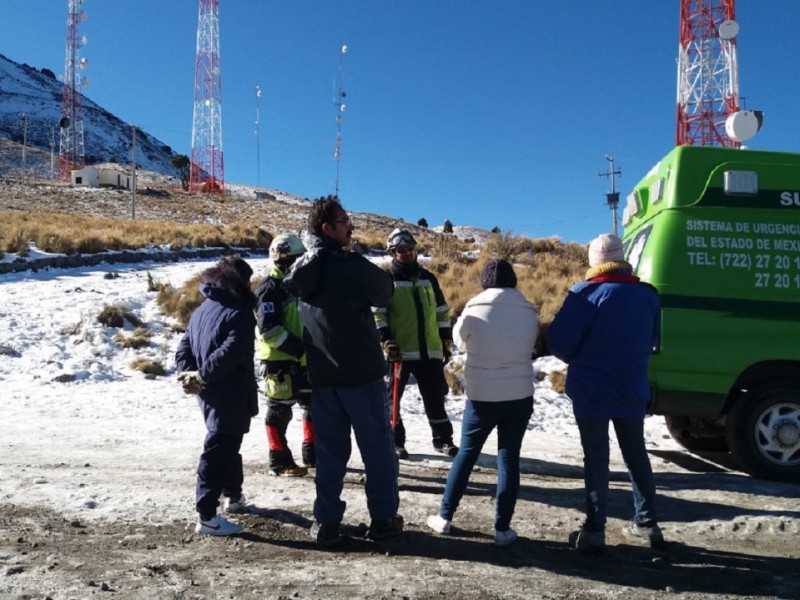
[[708, 81], [206, 170], [70, 149]]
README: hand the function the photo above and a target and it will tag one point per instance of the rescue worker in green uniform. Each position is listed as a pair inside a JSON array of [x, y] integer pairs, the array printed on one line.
[[415, 330], [279, 347]]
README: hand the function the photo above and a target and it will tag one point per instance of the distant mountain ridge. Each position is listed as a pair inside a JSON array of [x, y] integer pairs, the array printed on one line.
[[25, 90]]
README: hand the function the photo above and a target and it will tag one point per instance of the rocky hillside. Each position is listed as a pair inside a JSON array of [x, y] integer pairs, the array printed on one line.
[[37, 94]]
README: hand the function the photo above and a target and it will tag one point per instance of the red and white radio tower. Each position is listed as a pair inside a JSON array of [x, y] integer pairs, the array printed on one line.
[[708, 80], [70, 150], [206, 171]]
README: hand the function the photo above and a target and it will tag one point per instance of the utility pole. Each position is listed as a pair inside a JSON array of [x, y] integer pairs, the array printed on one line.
[[52, 152], [24, 118], [133, 183], [612, 197]]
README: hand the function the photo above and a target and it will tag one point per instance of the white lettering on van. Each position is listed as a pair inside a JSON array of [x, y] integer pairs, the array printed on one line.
[[704, 225], [790, 198]]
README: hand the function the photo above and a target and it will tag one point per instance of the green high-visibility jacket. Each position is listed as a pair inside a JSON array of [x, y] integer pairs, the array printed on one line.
[[418, 317], [279, 330]]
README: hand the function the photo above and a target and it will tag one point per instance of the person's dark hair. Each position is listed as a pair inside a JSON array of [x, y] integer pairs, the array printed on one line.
[[233, 274], [238, 265], [322, 211]]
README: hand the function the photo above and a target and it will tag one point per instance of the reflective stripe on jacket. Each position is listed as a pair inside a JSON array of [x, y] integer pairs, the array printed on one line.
[[418, 317], [278, 323]]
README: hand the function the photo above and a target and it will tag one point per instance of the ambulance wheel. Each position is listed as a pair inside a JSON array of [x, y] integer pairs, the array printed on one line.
[[764, 431]]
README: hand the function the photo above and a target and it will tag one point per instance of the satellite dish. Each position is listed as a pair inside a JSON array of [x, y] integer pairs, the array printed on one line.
[[728, 29], [743, 125], [84, 62], [84, 40], [342, 107], [64, 122], [83, 16], [344, 48], [85, 82]]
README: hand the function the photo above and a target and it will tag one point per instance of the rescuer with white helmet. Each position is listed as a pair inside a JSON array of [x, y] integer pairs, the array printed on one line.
[[415, 331], [279, 347]]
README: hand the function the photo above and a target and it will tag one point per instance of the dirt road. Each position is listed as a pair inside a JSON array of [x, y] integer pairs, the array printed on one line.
[[729, 537]]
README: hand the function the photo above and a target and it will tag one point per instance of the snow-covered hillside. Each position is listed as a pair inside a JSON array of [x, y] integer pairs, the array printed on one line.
[[25, 90]]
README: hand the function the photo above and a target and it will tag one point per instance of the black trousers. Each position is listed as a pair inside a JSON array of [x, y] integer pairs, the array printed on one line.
[[429, 375], [219, 472]]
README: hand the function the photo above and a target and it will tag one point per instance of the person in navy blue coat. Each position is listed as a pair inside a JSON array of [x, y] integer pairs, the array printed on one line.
[[215, 360], [606, 330]]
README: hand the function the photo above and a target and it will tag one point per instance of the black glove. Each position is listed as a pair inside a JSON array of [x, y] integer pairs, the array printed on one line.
[[293, 345], [447, 349], [391, 350]]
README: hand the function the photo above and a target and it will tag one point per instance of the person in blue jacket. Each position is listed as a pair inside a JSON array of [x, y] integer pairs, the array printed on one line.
[[605, 331], [215, 360]]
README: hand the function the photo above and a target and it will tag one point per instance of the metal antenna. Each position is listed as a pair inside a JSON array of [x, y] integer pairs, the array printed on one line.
[[338, 101], [71, 150], [258, 142], [207, 174], [612, 197]]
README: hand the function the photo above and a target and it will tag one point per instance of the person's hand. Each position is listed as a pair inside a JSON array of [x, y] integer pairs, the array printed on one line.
[[447, 349], [391, 350], [191, 382]]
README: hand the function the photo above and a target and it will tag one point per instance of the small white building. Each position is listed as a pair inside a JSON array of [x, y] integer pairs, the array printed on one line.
[[102, 177], [87, 176]]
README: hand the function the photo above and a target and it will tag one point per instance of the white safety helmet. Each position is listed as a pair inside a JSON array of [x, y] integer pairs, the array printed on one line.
[[400, 237], [285, 246]]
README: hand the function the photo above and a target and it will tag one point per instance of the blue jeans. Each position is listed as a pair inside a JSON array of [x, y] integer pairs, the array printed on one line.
[[480, 418], [630, 436], [334, 411]]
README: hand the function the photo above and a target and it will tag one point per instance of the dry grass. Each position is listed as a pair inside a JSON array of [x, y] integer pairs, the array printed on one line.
[[139, 338], [166, 216], [115, 315], [71, 234], [148, 366]]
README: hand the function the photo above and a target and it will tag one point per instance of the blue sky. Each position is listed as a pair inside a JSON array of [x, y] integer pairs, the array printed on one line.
[[487, 113]]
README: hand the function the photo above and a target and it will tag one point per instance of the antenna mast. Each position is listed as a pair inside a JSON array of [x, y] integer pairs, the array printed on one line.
[[338, 101], [206, 169], [258, 141], [70, 150], [708, 81]]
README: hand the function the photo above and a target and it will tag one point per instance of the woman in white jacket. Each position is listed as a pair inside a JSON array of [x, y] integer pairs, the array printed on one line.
[[497, 330]]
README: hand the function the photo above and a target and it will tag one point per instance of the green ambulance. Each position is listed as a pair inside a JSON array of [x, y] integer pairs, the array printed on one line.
[[717, 232]]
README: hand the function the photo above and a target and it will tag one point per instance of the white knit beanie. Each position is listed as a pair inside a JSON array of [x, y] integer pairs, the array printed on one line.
[[606, 247]]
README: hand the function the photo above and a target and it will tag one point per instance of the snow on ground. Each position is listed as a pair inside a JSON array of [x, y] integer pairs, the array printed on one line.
[[112, 444]]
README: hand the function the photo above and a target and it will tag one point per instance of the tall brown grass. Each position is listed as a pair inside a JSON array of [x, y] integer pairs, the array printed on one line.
[[71, 234]]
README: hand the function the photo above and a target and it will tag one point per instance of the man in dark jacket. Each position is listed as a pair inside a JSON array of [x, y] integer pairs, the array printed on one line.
[[215, 361], [336, 289], [606, 330]]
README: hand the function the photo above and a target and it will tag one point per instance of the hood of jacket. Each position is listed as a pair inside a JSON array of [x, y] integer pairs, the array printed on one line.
[[221, 286]]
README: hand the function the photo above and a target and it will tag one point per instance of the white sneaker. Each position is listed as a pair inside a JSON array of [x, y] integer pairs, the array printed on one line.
[[235, 506], [217, 526], [504, 538], [439, 524]]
